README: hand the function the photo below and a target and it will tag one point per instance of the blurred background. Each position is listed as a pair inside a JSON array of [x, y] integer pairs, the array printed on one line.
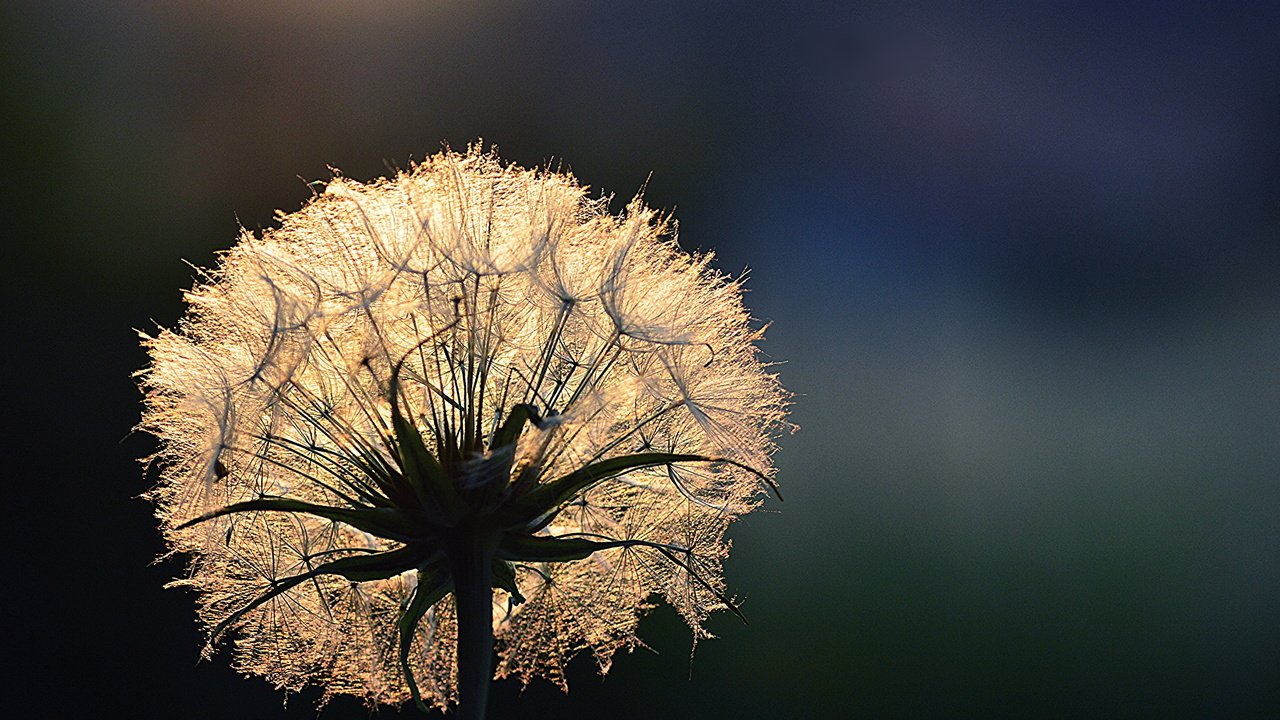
[[1021, 262]]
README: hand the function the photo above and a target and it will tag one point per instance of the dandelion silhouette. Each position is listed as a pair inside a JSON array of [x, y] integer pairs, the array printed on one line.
[[461, 410]]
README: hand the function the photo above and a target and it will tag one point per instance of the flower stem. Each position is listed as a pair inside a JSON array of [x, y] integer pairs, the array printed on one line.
[[473, 594]]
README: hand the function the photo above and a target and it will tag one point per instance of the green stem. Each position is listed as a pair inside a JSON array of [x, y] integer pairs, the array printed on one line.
[[473, 593]]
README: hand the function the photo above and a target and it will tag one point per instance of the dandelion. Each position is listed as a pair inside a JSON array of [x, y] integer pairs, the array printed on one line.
[[460, 411]]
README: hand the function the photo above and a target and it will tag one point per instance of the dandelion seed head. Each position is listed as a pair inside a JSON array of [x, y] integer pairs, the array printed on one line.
[[456, 295]]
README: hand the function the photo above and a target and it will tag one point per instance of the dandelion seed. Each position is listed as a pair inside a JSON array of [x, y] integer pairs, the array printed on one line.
[[461, 410]]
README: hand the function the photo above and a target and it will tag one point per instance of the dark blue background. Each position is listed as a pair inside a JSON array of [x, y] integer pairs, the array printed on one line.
[[1021, 262]]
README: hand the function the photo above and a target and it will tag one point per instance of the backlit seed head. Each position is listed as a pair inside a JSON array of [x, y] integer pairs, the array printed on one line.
[[503, 322]]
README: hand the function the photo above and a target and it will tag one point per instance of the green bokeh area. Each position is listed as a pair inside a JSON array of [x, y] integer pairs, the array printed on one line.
[[1021, 265]]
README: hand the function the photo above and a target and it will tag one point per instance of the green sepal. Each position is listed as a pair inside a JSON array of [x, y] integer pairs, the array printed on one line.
[[387, 478], [542, 502], [447, 448], [510, 431], [425, 475], [433, 584], [546, 548], [388, 523], [543, 548], [423, 472], [504, 578], [361, 568], [335, 463]]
